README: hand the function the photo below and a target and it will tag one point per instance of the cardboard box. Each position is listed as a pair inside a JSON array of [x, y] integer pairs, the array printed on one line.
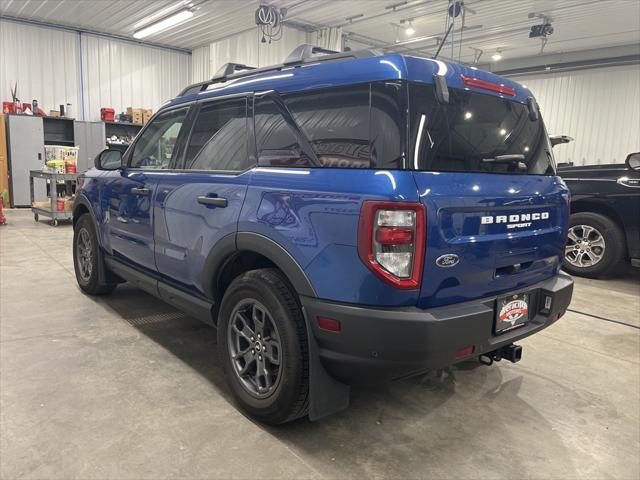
[[136, 114], [54, 113], [146, 115]]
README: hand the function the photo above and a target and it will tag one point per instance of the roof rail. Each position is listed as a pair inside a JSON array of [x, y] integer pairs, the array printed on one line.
[[302, 54], [309, 53], [230, 68]]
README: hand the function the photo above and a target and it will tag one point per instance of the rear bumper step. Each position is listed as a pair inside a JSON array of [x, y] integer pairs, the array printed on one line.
[[375, 345]]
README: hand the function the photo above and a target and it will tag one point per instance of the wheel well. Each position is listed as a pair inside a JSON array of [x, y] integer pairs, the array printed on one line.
[[586, 206], [238, 264], [78, 212]]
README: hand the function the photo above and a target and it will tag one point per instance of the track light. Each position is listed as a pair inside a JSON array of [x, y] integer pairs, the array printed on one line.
[[496, 56], [164, 24]]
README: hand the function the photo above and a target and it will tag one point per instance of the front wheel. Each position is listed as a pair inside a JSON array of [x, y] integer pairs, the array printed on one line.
[[263, 346], [86, 258], [595, 245]]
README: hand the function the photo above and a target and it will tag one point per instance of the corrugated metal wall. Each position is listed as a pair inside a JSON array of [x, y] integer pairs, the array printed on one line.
[[43, 62], [600, 108], [46, 64], [244, 48], [121, 74]]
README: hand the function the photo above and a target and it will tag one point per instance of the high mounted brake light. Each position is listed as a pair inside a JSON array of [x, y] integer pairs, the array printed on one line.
[[484, 85], [391, 241]]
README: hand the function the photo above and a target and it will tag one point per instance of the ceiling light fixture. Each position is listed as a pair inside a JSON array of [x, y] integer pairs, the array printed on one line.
[[409, 30], [164, 24], [496, 56]]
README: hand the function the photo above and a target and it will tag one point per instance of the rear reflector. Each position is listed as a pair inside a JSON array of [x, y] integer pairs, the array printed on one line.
[[465, 351], [329, 324], [394, 236], [484, 85]]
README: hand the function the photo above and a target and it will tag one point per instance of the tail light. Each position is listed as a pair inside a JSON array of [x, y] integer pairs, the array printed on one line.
[[391, 241]]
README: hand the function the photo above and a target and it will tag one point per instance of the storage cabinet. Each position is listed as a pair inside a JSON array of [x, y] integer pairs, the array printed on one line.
[[25, 136], [91, 138]]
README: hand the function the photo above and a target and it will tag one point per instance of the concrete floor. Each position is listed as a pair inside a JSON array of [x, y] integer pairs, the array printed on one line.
[[128, 387]]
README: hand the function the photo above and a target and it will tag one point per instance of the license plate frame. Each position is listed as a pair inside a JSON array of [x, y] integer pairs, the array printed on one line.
[[512, 311]]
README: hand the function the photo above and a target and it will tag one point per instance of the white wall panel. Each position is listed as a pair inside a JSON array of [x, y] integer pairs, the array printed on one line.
[[46, 64], [244, 48], [43, 61], [600, 108], [120, 74]]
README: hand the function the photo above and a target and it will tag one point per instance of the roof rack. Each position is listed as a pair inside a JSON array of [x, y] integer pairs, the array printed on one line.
[[302, 54]]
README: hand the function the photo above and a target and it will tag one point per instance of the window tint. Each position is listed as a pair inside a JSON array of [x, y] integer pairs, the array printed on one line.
[[276, 140], [388, 124], [469, 132], [219, 137], [155, 147], [336, 122]]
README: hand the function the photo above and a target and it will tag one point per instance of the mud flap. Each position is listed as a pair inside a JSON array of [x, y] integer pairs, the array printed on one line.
[[326, 394]]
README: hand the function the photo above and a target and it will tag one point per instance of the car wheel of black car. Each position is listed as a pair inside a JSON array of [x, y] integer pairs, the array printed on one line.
[[86, 258], [263, 346], [595, 245]]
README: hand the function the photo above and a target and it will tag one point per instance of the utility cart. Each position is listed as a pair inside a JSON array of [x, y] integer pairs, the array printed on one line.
[[50, 209]]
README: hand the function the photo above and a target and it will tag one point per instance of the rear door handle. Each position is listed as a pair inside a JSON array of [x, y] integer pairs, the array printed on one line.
[[214, 201], [144, 192]]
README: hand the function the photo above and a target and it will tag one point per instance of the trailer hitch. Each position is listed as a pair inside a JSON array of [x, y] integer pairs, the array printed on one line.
[[510, 352]]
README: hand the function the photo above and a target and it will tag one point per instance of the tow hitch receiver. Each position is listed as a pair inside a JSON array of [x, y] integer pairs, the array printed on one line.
[[510, 352]]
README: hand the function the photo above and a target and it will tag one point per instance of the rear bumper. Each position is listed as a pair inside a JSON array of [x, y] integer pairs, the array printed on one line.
[[375, 344]]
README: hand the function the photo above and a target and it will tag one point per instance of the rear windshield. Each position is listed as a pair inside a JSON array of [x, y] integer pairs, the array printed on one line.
[[475, 132]]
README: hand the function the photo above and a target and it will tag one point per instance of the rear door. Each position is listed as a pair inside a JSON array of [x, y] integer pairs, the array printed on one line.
[[496, 211], [128, 193], [198, 204]]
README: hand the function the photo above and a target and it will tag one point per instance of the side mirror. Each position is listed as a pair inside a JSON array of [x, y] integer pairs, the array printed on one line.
[[559, 139], [633, 161], [108, 160]]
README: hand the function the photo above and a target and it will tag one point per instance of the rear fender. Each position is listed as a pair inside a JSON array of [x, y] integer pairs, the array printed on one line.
[[326, 394]]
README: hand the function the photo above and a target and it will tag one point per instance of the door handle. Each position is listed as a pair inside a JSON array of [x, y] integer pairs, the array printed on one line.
[[214, 201], [140, 191]]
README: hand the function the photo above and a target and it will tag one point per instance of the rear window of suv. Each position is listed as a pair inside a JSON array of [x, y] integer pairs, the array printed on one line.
[[357, 126], [473, 131]]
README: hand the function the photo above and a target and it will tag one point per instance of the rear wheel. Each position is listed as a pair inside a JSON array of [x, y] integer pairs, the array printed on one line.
[[595, 245], [263, 346], [86, 258]]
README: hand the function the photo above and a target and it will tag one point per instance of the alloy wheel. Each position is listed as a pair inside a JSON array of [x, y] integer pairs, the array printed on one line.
[[84, 254], [255, 348], [585, 246]]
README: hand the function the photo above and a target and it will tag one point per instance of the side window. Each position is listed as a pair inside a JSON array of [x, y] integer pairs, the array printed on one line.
[[388, 124], [219, 137], [336, 122], [276, 141], [155, 147]]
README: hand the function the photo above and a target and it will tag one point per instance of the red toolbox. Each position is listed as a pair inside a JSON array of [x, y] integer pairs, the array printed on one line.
[[107, 114]]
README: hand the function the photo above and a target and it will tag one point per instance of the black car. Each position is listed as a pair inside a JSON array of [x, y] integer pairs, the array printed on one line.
[[604, 227]]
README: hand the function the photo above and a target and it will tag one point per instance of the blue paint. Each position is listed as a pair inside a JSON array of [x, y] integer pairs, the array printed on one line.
[[313, 213]]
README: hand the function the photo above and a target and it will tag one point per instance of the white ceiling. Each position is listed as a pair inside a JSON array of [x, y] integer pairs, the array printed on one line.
[[496, 24]]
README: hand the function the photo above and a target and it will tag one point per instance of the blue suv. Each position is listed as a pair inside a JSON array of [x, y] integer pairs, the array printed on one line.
[[340, 218]]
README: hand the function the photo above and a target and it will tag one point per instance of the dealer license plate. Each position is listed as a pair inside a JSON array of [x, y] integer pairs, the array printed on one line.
[[512, 312]]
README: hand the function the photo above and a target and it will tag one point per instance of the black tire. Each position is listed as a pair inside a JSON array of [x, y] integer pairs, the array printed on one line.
[[289, 399], [614, 245], [89, 282]]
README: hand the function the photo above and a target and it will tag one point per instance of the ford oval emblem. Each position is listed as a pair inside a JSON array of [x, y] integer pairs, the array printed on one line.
[[447, 260]]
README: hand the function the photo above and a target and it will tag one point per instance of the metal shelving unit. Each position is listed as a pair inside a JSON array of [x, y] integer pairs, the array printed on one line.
[[53, 179]]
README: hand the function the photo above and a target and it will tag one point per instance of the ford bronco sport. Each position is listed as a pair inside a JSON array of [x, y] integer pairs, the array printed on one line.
[[341, 218]]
